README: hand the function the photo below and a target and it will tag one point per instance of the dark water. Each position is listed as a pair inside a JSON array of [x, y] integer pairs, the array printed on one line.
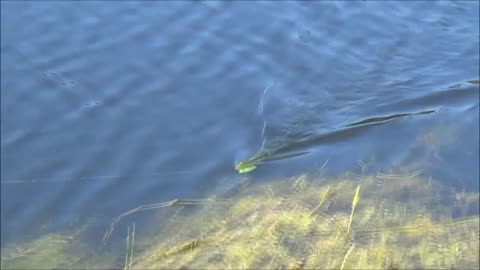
[[106, 106]]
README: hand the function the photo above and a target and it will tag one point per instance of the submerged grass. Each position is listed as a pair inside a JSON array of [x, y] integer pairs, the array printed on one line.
[[385, 221], [404, 222], [55, 251], [130, 248]]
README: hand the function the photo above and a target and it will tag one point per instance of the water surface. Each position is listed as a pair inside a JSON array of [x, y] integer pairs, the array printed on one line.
[[107, 106]]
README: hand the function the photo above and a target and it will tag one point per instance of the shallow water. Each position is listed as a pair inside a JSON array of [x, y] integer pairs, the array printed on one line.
[[107, 106]]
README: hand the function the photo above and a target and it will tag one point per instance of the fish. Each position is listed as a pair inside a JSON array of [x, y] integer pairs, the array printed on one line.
[[300, 147]]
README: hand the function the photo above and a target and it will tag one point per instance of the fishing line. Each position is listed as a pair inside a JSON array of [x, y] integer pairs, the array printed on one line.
[[84, 178], [260, 110]]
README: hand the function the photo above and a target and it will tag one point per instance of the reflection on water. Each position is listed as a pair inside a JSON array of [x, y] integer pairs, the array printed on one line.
[[104, 109]]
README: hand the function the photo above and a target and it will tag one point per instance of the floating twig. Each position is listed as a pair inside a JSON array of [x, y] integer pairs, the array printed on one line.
[[397, 176], [175, 202]]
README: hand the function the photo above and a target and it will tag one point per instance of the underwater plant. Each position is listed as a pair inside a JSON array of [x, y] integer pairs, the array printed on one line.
[[306, 223], [380, 221]]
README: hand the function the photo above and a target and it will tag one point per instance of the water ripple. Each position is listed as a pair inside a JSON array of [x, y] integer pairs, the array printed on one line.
[[107, 106]]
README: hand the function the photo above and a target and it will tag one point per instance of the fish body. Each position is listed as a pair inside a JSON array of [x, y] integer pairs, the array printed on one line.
[[302, 146]]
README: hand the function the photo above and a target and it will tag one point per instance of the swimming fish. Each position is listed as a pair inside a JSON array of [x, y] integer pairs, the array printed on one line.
[[293, 149]]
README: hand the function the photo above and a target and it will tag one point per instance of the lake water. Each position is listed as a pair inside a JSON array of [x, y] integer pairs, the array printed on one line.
[[107, 106]]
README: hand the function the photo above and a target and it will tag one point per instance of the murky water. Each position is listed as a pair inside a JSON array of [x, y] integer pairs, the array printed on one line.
[[107, 106]]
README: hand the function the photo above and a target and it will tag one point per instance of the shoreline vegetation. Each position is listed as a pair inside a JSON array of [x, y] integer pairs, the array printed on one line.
[[381, 221]]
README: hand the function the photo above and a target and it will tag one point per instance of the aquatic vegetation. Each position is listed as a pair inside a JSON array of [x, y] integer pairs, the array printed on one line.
[[381, 221], [130, 247], [53, 251], [319, 223], [44, 252]]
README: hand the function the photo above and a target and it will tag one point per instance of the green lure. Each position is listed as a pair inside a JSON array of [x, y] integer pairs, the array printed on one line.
[[251, 164]]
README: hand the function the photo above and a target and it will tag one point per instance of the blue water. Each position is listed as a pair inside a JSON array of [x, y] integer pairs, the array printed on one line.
[[106, 106]]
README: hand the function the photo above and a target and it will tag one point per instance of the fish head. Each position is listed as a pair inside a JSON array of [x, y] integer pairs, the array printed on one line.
[[245, 166]]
